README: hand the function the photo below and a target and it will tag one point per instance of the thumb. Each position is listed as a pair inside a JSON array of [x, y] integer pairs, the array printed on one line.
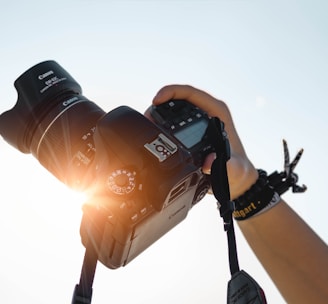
[[208, 163]]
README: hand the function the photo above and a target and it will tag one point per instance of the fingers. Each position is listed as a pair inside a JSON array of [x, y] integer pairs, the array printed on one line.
[[199, 98], [206, 168], [212, 106], [241, 172]]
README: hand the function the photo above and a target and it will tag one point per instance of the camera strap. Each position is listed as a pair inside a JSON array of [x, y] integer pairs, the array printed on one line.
[[83, 291], [242, 288]]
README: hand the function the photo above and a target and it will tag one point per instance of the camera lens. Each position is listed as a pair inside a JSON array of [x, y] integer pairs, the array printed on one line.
[[54, 122], [63, 140]]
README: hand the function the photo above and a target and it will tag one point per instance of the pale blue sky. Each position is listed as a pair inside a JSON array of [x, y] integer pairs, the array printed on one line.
[[266, 59]]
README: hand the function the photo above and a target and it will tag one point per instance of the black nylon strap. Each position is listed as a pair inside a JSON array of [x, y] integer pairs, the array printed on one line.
[[242, 288], [94, 227], [83, 290], [220, 186]]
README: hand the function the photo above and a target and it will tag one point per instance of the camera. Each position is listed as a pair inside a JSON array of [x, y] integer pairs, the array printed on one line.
[[142, 176]]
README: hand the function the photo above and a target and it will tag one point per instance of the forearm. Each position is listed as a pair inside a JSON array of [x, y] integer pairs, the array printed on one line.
[[293, 255]]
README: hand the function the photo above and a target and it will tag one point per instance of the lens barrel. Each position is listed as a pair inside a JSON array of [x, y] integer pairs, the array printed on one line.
[[54, 122]]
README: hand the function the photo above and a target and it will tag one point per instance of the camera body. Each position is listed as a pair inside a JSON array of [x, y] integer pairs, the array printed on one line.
[[142, 177], [146, 184]]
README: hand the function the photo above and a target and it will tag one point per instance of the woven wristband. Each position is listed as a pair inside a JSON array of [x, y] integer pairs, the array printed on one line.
[[258, 199]]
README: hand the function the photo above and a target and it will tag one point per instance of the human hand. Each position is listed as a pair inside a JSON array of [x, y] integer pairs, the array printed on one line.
[[241, 172]]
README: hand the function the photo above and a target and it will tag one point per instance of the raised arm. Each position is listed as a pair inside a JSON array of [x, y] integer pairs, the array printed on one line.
[[291, 252]]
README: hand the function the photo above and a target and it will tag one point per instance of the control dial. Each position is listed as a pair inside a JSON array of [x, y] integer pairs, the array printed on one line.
[[122, 181]]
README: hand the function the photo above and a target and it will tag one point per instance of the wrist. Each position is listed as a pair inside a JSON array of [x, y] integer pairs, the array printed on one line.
[[265, 192], [245, 181], [259, 198]]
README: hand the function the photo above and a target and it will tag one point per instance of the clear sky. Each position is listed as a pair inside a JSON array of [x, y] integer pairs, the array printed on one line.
[[266, 59]]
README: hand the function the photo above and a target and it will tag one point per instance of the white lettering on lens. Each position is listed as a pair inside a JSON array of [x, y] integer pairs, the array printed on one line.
[[51, 81], [69, 101], [42, 76]]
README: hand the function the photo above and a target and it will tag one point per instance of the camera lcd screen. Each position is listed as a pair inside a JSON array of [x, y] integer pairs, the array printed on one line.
[[192, 134]]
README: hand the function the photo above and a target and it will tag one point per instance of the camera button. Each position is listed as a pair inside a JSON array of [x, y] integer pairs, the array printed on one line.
[[123, 205], [143, 211]]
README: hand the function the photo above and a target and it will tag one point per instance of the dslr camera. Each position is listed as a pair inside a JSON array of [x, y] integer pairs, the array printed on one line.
[[142, 176]]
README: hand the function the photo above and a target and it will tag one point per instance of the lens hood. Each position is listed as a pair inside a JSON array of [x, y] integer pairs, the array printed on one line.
[[38, 90]]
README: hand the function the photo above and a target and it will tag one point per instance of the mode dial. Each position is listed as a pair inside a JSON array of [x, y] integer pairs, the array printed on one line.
[[122, 181]]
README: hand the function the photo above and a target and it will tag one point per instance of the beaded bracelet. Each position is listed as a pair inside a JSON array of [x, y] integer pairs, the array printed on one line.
[[265, 193], [258, 199]]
